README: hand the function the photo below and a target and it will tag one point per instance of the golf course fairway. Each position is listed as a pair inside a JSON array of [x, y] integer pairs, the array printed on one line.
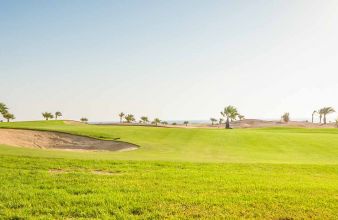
[[266, 173]]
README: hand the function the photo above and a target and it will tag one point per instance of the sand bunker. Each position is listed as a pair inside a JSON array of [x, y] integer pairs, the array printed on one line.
[[56, 140]]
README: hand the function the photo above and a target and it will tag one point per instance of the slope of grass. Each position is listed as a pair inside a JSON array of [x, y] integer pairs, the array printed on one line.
[[272, 145], [274, 173], [50, 188]]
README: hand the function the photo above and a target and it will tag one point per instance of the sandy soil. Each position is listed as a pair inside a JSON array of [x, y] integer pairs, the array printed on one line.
[[256, 123], [71, 122], [246, 123], [56, 140]]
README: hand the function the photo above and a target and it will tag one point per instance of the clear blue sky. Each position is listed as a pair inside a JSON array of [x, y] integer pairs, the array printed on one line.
[[168, 59]]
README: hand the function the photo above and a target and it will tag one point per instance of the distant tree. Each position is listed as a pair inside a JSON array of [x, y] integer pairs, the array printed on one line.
[[186, 123], [213, 120], [164, 122], [230, 113], [337, 122], [241, 117], [156, 121], [320, 112], [3, 108], [220, 121], [313, 114], [121, 115], [286, 117], [129, 118], [174, 123], [47, 115], [84, 120], [9, 116], [326, 111], [58, 114], [144, 119]]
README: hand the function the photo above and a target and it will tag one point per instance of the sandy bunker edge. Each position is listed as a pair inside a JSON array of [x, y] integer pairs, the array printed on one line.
[[60, 140]]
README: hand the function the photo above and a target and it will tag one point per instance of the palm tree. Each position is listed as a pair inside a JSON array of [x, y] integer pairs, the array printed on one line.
[[57, 114], [121, 116], [320, 112], [129, 118], [3, 108], [313, 114], [47, 115], [326, 111], [186, 123], [230, 113], [144, 119], [286, 117], [220, 121], [213, 120], [156, 121], [84, 120], [9, 116]]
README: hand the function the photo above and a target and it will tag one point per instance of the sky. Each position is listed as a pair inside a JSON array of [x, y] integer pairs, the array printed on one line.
[[175, 60]]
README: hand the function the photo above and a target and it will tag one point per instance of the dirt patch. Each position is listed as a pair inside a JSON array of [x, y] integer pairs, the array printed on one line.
[[97, 172], [71, 122], [57, 171], [255, 123], [102, 172], [246, 123], [57, 140]]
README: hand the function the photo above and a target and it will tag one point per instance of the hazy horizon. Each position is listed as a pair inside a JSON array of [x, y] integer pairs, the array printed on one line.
[[175, 60]]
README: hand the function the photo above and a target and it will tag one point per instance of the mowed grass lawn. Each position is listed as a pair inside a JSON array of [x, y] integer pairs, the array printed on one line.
[[270, 145], [275, 173]]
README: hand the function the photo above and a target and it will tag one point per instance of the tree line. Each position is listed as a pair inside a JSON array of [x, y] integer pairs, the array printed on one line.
[[48, 115], [228, 114], [130, 118], [4, 112], [57, 114], [322, 115]]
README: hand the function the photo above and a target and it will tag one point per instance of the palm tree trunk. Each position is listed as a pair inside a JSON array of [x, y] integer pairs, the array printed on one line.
[[227, 123], [324, 119]]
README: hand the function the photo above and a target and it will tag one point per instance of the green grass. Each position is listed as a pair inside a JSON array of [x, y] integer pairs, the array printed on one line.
[[63, 188], [273, 145], [275, 173]]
